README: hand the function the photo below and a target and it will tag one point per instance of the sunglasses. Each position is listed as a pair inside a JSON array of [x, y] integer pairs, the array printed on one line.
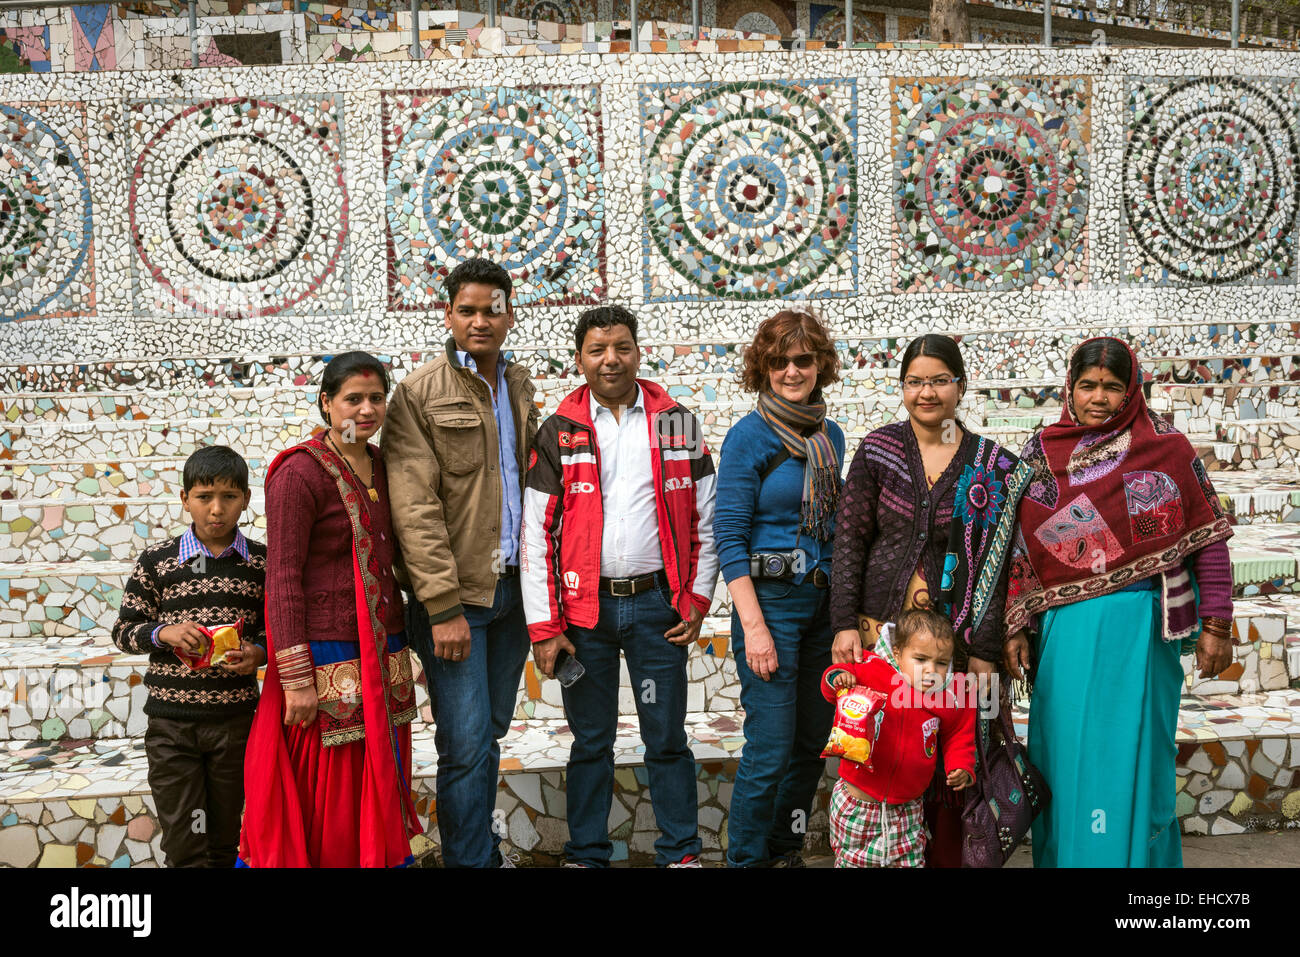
[[805, 360]]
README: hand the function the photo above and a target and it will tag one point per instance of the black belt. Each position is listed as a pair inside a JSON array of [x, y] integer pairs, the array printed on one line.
[[508, 572], [625, 587], [819, 578]]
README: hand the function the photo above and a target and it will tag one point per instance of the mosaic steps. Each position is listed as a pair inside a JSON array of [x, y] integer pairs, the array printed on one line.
[[264, 436], [87, 803], [99, 807], [64, 600], [91, 689], [81, 595], [1259, 440], [40, 476], [116, 529], [100, 529], [77, 684], [1020, 354], [1266, 496], [51, 481], [990, 397], [1264, 559]]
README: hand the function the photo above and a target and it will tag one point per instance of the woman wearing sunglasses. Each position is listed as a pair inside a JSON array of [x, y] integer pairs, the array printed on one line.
[[778, 485], [925, 520]]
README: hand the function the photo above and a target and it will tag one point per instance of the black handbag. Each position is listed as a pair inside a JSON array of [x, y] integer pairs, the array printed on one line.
[[1008, 793]]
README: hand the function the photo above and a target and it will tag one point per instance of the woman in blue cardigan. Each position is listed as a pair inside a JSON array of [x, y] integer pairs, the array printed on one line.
[[778, 486]]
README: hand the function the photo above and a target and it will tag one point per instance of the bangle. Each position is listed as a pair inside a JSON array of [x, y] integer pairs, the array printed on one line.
[[296, 668]]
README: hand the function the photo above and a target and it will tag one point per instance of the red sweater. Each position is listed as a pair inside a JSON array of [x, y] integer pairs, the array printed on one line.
[[309, 556], [915, 728]]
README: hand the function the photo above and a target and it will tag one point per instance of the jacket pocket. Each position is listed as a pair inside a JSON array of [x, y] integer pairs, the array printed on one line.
[[458, 436]]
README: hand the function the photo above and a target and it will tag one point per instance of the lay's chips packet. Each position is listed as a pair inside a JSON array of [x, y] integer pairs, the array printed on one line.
[[858, 713]]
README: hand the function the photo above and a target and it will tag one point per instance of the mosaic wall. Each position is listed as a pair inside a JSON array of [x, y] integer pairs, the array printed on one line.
[[1055, 195], [181, 251]]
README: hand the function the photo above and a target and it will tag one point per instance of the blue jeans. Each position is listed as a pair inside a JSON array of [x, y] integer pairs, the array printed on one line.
[[635, 624], [473, 701], [787, 722]]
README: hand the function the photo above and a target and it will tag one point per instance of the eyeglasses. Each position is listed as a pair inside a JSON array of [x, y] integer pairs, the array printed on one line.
[[913, 384], [804, 360]]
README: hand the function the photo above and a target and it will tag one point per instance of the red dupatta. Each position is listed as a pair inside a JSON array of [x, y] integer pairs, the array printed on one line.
[[273, 831], [1107, 507]]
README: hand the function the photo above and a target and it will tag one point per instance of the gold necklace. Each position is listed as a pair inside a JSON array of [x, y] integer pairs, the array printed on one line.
[[370, 490]]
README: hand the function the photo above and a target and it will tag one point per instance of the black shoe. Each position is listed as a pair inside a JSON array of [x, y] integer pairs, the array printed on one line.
[[789, 859]]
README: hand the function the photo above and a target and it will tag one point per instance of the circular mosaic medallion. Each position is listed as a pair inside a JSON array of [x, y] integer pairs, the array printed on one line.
[[1210, 179], [506, 173], [45, 223], [551, 11], [992, 189], [831, 27], [751, 190], [238, 207]]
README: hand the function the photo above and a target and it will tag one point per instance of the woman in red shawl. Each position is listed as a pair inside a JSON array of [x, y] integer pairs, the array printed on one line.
[[1118, 518], [328, 766]]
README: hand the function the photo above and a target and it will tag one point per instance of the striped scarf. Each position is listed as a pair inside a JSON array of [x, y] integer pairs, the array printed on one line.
[[821, 471]]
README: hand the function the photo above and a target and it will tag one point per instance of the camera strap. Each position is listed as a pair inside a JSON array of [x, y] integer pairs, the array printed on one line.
[[773, 463]]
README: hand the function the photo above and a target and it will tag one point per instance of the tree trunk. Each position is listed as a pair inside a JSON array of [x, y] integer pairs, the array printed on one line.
[[948, 21]]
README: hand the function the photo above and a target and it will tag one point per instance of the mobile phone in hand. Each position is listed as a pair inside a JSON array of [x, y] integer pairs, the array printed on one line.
[[567, 669]]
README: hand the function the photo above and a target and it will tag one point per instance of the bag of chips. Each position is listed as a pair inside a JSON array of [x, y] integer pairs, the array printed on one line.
[[858, 713], [220, 640]]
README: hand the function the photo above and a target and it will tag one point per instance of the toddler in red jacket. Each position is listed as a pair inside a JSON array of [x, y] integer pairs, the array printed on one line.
[[876, 814]]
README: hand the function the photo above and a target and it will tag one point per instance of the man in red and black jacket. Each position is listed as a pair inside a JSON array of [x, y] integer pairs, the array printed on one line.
[[617, 554]]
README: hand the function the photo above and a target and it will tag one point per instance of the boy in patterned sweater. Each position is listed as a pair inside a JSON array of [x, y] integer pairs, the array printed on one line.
[[199, 720]]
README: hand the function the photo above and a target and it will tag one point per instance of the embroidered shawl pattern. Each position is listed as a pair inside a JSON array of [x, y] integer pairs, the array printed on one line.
[[983, 520], [1108, 507]]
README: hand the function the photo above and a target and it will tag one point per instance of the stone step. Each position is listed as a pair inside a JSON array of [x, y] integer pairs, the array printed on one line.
[[1191, 352], [1264, 558], [992, 396], [101, 529], [1253, 444], [79, 685], [83, 686], [1266, 496], [51, 481], [252, 437], [62, 600], [263, 436], [68, 597], [79, 593], [88, 803]]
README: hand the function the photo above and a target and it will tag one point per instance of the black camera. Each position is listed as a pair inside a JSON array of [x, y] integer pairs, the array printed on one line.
[[778, 565]]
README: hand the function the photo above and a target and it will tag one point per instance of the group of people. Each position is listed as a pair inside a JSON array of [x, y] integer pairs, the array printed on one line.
[[474, 532]]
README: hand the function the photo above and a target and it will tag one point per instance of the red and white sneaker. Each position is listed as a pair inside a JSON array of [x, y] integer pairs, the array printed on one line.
[[690, 860]]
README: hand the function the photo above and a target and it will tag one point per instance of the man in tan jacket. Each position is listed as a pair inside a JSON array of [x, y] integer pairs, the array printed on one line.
[[456, 441]]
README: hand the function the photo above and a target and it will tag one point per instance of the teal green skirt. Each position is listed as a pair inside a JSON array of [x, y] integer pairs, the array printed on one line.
[[1102, 728]]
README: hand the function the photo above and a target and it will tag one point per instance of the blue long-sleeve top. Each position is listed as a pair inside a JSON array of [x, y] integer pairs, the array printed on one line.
[[748, 518]]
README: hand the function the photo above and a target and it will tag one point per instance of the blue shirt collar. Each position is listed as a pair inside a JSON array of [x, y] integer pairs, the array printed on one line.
[[468, 362], [191, 546]]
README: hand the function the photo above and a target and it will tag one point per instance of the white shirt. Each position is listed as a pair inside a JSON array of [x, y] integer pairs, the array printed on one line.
[[629, 544]]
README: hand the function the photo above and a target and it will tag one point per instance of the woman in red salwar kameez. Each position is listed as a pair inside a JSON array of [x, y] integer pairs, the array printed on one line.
[[327, 771]]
